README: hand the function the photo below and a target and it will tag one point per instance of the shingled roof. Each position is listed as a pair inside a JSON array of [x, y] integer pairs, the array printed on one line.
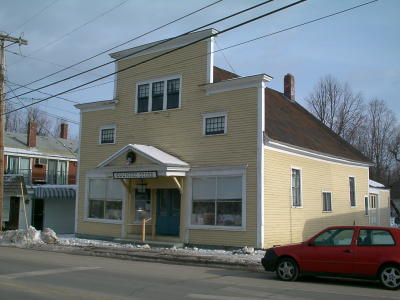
[[221, 75], [288, 122]]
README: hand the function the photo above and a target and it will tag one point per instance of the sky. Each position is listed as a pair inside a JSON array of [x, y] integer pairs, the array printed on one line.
[[360, 47]]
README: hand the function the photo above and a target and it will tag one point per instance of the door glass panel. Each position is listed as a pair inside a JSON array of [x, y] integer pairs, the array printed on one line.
[[62, 172], [142, 205], [369, 237], [13, 165], [25, 169], [52, 172]]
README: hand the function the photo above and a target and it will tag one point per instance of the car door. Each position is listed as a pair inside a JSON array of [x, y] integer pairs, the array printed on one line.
[[374, 246], [329, 252]]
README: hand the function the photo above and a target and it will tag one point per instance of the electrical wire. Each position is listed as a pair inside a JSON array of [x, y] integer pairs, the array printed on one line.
[[235, 45], [152, 46], [124, 43], [173, 50]]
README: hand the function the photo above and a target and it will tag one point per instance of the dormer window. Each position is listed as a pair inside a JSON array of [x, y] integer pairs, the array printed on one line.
[[157, 95]]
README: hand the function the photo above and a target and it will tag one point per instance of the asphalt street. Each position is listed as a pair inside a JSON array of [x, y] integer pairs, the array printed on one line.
[[31, 274]]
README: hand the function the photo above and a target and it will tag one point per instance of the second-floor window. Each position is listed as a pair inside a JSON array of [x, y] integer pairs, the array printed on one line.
[[107, 135], [157, 95], [20, 165], [214, 123], [56, 172]]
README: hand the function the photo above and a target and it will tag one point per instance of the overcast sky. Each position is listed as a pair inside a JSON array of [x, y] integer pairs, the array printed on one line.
[[360, 47]]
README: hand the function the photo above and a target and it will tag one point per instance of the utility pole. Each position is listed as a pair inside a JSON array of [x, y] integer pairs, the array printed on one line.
[[4, 38]]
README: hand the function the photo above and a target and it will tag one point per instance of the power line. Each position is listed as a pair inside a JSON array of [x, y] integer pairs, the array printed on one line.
[[41, 92], [152, 46], [76, 29], [124, 43], [237, 44], [49, 133], [173, 50], [35, 15]]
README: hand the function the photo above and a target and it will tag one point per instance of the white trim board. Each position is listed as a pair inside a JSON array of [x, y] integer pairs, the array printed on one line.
[[293, 150]]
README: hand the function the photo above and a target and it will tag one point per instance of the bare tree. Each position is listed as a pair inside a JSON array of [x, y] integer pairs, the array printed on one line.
[[35, 114], [376, 140], [337, 106], [13, 120]]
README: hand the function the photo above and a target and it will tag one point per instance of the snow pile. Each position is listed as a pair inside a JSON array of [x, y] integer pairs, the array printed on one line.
[[29, 236], [21, 237], [49, 236]]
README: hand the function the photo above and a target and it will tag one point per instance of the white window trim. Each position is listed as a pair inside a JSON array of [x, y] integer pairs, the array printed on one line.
[[108, 127], [86, 207], [150, 83], [214, 115], [223, 173], [322, 194], [301, 187], [355, 191]]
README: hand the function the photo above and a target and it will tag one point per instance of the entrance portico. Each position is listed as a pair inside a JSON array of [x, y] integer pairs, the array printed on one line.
[[149, 183]]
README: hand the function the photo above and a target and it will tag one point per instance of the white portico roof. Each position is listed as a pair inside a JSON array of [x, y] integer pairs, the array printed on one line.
[[166, 162]]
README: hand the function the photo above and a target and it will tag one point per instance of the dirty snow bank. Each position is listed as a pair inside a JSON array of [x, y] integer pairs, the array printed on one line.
[[29, 236]]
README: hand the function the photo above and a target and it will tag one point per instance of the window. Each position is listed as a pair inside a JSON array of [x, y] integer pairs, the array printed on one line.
[[142, 205], [21, 166], [296, 188], [366, 205], [375, 237], [217, 201], [352, 191], [105, 199], [335, 237], [107, 135], [158, 95], [326, 201], [143, 98], [214, 123], [373, 198], [56, 172]]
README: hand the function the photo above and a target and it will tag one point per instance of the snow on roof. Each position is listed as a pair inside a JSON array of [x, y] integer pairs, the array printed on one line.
[[375, 184], [160, 156], [149, 152]]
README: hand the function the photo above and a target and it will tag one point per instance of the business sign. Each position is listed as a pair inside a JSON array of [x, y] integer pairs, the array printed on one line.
[[135, 174]]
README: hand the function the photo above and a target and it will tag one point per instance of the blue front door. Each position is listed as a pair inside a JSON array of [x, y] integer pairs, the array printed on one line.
[[168, 212]]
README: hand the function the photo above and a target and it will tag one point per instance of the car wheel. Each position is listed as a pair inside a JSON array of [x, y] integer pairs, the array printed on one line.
[[389, 276], [287, 269]]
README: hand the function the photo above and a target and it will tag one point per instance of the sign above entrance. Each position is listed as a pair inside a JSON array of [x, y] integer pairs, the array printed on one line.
[[135, 174]]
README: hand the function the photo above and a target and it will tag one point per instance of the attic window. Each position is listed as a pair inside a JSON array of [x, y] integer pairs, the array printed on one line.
[[157, 95]]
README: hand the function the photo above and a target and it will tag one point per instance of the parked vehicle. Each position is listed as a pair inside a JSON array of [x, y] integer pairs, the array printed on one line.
[[351, 251]]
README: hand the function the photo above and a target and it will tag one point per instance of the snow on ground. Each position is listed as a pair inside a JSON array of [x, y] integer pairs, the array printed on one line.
[[49, 238]]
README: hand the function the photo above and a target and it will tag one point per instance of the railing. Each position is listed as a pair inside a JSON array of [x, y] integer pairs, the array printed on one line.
[[59, 177]]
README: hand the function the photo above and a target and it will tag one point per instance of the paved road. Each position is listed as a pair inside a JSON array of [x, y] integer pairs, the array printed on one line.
[[30, 274]]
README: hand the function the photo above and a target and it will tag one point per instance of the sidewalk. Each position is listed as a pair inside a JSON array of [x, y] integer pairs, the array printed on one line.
[[245, 259]]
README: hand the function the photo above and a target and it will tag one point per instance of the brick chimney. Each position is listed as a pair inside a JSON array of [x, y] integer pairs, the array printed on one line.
[[288, 86], [64, 130], [31, 138]]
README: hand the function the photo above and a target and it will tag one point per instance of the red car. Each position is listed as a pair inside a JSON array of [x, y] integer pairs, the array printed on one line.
[[351, 251]]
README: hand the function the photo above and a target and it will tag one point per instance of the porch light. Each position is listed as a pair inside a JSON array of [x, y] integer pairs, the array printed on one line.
[[141, 187]]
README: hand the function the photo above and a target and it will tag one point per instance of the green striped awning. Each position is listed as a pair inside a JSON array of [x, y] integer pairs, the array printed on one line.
[[55, 192]]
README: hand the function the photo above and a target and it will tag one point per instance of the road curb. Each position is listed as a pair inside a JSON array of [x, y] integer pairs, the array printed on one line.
[[149, 256]]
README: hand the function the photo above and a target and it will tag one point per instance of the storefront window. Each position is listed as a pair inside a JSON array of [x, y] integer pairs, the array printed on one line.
[[217, 201], [142, 205], [105, 199]]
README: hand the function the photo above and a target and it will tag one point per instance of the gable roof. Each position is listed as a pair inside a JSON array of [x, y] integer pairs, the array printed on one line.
[[152, 153], [288, 122], [16, 143]]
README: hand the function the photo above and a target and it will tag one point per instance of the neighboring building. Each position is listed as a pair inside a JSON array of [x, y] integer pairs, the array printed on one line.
[[48, 167], [395, 202], [212, 158], [377, 205]]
